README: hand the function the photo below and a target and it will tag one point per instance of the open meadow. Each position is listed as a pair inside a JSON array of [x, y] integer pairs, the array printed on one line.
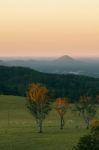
[[18, 130]]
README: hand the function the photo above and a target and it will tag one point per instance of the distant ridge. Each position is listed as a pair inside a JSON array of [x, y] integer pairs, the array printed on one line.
[[62, 65], [2, 63]]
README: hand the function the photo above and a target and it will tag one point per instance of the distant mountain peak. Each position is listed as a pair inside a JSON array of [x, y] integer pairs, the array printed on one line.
[[65, 58]]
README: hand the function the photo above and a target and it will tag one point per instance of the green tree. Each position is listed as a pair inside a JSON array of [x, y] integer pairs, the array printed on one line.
[[87, 109], [38, 103]]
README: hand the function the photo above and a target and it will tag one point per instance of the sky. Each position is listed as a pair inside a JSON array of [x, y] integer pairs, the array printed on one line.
[[46, 28]]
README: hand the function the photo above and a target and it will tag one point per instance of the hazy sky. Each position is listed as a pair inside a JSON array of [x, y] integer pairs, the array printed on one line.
[[49, 27]]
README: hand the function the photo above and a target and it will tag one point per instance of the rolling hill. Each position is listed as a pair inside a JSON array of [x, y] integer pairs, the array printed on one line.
[[15, 81]]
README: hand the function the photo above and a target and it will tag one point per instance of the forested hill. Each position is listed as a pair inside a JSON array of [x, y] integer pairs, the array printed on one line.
[[15, 81]]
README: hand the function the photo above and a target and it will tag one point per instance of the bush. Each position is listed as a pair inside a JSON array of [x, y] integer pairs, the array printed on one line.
[[95, 126], [90, 141]]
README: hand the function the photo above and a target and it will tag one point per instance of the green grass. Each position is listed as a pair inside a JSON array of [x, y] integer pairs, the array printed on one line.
[[18, 129]]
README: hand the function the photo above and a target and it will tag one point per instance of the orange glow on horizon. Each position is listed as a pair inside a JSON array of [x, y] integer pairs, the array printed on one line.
[[49, 28]]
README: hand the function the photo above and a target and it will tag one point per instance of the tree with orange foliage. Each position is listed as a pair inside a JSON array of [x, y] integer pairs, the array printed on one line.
[[61, 107], [38, 103]]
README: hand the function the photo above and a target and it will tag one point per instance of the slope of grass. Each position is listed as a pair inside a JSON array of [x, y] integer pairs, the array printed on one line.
[[18, 129]]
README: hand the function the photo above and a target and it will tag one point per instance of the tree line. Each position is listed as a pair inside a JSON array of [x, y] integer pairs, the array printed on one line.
[[15, 81]]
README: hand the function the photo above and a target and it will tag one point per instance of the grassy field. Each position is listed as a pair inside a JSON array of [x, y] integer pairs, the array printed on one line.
[[18, 129]]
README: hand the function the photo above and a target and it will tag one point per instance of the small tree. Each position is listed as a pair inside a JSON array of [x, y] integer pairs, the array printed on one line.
[[87, 109], [38, 103], [61, 106]]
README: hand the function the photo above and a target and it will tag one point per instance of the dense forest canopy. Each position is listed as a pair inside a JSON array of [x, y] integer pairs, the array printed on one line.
[[15, 81]]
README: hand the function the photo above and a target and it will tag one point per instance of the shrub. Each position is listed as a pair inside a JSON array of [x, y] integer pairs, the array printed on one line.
[[90, 141]]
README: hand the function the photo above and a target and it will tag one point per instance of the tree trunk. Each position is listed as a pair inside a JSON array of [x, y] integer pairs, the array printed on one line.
[[61, 122], [40, 126], [87, 121]]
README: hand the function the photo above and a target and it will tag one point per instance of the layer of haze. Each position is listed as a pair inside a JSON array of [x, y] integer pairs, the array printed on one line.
[[49, 27]]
